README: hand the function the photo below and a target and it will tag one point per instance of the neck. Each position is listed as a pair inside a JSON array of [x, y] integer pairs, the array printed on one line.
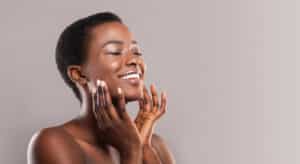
[[86, 116]]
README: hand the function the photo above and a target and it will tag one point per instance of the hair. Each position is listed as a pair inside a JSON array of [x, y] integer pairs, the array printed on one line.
[[72, 43]]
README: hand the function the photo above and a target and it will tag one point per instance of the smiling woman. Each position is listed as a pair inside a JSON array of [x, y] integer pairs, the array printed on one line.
[[100, 60]]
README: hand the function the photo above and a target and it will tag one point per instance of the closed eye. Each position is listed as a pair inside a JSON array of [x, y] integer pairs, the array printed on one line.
[[138, 53], [115, 53]]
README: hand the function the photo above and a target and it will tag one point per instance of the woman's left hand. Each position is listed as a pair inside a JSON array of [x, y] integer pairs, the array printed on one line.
[[150, 111]]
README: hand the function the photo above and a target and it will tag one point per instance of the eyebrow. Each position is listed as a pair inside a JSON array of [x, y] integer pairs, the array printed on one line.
[[117, 42]]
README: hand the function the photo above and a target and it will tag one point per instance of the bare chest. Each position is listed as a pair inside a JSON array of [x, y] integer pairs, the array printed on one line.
[[95, 155]]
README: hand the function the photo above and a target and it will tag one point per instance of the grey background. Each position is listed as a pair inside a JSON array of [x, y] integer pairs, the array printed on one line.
[[229, 68]]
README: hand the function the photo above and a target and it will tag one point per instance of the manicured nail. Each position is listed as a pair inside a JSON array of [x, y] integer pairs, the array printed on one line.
[[153, 88], [152, 85], [119, 91], [164, 94], [102, 83], [91, 87], [98, 83], [100, 87]]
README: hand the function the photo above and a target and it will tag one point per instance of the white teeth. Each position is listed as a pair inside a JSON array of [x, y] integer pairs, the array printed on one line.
[[129, 72], [134, 75]]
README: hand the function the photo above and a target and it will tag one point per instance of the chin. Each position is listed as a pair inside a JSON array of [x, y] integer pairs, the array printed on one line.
[[133, 95]]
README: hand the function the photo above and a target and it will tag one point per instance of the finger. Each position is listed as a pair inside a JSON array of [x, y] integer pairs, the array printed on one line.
[[122, 105], [147, 100], [141, 104], [163, 107], [155, 102], [97, 105], [141, 108], [95, 102], [110, 110], [101, 111], [100, 97], [96, 108], [92, 87], [99, 119]]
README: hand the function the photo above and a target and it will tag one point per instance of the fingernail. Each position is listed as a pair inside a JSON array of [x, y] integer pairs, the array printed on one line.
[[91, 87], [102, 83], [153, 88], [100, 86], [98, 83], [164, 94], [119, 91]]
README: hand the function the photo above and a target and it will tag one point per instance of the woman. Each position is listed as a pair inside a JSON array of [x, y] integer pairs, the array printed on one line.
[[100, 61]]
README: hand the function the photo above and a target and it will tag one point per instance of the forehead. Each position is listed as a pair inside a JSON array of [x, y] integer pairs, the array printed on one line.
[[111, 31]]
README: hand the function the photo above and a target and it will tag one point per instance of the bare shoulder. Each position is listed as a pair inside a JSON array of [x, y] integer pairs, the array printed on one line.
[[162, 149], [54, 145]]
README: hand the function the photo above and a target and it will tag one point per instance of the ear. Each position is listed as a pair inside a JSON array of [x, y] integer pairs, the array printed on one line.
[[76, 75]]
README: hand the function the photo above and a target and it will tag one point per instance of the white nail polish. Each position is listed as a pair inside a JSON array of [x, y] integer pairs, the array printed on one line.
[[98, 82], [119, 91], [102, 83], [92, 87]]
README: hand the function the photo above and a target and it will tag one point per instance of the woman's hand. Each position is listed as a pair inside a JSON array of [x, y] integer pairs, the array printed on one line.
[[150, 111], [114, 124]]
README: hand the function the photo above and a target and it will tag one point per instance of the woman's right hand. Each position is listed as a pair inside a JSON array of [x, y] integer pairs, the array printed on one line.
[[114, 123]]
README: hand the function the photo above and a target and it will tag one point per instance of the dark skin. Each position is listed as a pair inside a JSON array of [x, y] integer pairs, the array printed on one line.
[[103, 131]]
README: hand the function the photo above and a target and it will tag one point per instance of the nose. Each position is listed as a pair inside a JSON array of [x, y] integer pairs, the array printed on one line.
[[135, 61], [132, 59]]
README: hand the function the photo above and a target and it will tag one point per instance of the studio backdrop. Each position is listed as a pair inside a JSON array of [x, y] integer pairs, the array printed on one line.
[[231, 70]]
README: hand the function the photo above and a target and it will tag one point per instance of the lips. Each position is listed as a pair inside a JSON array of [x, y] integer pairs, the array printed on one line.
[[131, 74]]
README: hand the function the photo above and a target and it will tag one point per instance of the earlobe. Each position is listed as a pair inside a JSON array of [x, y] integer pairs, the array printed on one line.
[[75, 74]]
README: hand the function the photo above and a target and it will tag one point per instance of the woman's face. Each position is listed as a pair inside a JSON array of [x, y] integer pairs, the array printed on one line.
[[114, 56]]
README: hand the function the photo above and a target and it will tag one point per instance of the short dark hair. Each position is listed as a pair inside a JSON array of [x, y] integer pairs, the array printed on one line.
[[71, 45]]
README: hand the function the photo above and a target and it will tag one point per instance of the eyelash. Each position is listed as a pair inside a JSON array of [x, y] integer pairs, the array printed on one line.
[[115, 53], [138, 53], [119, 53]]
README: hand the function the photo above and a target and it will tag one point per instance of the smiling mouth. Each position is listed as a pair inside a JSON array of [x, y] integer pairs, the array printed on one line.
[[131, 75], [132, 78]]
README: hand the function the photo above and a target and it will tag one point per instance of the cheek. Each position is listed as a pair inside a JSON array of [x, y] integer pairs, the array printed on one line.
[[110, 75], [110, 69], [115, 65], [109, 64], [143, 67]]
